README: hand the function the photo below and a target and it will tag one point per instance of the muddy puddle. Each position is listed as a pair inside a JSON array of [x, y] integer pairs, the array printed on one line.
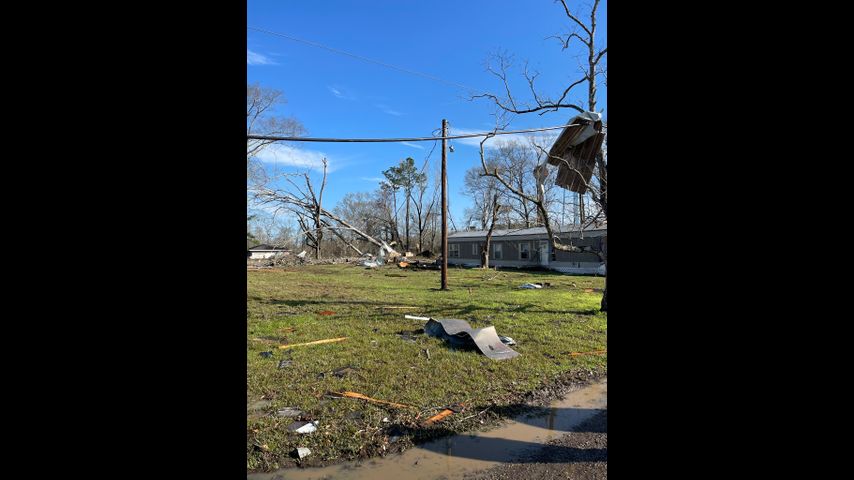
[[454, 457]]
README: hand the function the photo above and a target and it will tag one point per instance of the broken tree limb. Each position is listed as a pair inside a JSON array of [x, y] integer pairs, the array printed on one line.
[[316, 342], [372, 400]]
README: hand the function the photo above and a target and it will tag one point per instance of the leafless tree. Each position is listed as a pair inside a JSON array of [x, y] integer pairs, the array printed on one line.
[[583, 32], [261, 119], [484, 251], [423, 209]]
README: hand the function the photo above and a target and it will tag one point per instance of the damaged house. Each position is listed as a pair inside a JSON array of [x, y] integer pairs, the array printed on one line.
[[531, 248]]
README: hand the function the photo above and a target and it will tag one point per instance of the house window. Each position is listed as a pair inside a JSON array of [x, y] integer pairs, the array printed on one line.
[[475, 250], [497, 254], [554, 254], [524, 251], [454, 250]]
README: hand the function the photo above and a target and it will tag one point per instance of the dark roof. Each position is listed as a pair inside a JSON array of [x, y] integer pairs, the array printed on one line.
[[519, 232], [264, 246], [250, 243]]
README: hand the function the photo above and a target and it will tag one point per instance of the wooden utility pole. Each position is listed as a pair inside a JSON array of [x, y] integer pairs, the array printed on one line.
[[444, 205]]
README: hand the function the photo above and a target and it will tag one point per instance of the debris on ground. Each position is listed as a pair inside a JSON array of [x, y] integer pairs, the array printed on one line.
[[326, 312], [403, 264], [369, 399], [531, 286], [588, 290], [316, 342], [506, 340], [302, 452], [301, 254], [266, 354], [344, 371], [438, 417], [288, 412], [285, 363], [410, 335], [303, 427], [460, 334], [413, 317]]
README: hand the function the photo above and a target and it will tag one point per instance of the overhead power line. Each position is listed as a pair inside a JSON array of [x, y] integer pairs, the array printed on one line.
[[366, 59], [414, 139]]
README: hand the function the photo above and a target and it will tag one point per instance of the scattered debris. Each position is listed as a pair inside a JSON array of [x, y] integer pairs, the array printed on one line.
[[344, 371], [410, 335], [301, 254], [303, 427], [302, 452], [316, 342], [531, 286], [285, 363], [386, 420], [588, 290], [595, 352], [438, 417], [403, 264], [326, 312], [460, 334], [506, 340], [427, 351], [369, 399], [266, 354], [413, 317], [289, 412]]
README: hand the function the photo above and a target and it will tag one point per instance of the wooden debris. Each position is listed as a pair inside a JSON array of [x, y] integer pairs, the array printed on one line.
[[316, 342], [373, 400], [438, 417]]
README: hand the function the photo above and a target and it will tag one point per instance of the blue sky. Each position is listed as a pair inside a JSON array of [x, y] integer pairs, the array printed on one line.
[[339, 96]]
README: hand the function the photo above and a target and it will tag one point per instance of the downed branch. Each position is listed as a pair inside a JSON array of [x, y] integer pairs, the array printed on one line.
[[316, 342]]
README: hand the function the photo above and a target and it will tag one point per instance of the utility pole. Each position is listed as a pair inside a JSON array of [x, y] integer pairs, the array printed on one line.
[[444, 206]]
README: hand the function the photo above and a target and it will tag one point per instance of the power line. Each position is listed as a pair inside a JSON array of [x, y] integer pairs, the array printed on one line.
[[366, 59], [415, 139]]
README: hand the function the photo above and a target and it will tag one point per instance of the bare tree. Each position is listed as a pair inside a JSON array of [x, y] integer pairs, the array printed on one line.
[[585, 33], [484, 251], [261, 119]]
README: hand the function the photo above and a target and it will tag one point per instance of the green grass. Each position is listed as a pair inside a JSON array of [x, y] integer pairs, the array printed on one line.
[[546, 323]]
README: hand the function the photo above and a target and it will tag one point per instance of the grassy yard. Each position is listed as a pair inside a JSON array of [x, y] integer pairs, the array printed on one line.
[[283, 306]]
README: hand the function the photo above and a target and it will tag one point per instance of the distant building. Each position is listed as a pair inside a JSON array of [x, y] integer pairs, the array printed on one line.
[[531, 247], [265, 251]]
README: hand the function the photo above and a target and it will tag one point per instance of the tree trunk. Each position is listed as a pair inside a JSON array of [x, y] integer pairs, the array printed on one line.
[[407, 222], [484, 253]]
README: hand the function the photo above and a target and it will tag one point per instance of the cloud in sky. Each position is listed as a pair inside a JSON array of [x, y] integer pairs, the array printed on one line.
[[255, 58], [340, 92], [413, 145], [372, 179], [388, 110], [285, 155]]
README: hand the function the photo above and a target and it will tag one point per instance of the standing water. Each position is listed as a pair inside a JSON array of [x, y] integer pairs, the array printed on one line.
[[453, 457]]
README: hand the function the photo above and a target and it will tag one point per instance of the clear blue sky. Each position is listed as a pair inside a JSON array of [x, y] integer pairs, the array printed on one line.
[[338, 96]]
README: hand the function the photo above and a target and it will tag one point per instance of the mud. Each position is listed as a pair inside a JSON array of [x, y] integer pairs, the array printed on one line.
[[454, 457]]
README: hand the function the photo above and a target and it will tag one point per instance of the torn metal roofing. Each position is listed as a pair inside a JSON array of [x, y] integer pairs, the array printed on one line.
[[574, 152], [460, 334]]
